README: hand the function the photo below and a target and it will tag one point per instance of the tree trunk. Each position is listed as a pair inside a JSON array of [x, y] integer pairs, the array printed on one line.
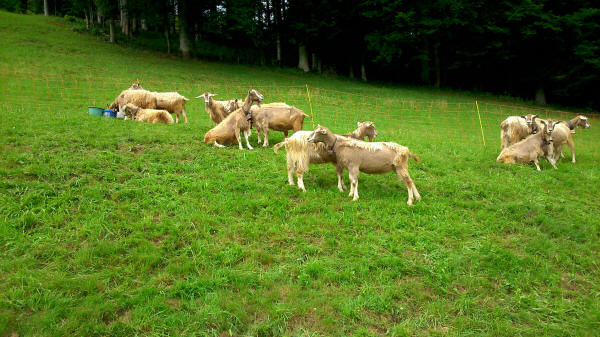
[[99, 17], [303, 58], [363, 71], [184, 42], [277, 18], [320, 66], [540, 96], [315, 62], [278, 49], [438, 72], [124, 18], [111, 24], [133, 26], [351, 72], [425, 71], [87, 21], [143, 25], [46, 13], [168, 38]]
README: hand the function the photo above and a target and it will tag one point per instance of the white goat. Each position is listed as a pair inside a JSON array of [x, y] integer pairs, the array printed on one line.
[[515, 128], [300, 153]]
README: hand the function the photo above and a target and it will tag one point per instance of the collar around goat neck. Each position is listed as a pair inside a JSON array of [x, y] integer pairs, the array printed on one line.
[[246, 112], [330, 150]]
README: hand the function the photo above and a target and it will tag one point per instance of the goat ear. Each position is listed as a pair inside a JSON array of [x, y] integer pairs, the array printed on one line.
[[522, 116], [534, 116], [358, 124]]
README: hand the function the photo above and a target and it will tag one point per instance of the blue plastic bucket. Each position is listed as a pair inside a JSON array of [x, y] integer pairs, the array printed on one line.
[[94, 111], [110, 113]]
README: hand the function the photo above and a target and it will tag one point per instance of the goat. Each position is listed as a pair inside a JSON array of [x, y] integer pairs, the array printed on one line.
[[218, 110], [173, 102], [300, 154], [147, 115], [139, 97], [532, 147], [563, 132], [365, 129], [515, 128], [228, 131], [372, 158], [278, 117]]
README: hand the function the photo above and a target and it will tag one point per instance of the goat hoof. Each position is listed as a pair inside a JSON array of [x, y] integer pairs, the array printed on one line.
[[355, 198], [409, 203]]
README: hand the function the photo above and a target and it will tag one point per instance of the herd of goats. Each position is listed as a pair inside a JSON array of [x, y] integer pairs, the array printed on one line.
[[523, 138]]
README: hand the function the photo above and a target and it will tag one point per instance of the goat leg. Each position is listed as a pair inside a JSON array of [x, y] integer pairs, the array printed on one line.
[[572, 147], [247, 142], [239, 139], [537, 164], [340, 172], [217, 144], [266, 137], [300, 176]]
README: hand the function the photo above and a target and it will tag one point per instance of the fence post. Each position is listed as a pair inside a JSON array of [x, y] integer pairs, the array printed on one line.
[[312, 117], [480, 124]]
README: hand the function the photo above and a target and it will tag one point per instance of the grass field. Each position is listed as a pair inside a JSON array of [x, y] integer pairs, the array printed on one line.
[[113, 228]]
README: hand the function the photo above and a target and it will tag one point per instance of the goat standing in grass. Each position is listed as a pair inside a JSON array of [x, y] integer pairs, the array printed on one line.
[[228, 131], [218, 110], [278, 117], [300, 153], [563, 133], [532, 147], [373, 158]]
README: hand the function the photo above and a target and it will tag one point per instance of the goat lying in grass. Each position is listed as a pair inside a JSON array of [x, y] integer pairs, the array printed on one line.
[[373, 158], [515, 128], [300, 153], [218, 110], [278, 117], [364, 129], [532, 147], [563, 133], [228, 131], [147, 115]]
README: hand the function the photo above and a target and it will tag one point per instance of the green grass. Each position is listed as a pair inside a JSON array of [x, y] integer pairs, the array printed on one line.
[[119, 228]]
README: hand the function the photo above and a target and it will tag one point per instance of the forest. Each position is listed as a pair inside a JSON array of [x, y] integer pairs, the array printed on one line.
[[542, 50]]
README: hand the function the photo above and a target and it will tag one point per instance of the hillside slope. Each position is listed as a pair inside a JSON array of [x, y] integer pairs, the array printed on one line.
[[120, 228]]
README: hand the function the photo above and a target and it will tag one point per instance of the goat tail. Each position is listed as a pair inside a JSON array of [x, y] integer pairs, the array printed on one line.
[[414, 156], [186, 99], [306, 115], [277, 146]]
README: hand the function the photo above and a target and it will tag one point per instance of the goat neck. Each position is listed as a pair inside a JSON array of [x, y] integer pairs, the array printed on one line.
[[247, 105]]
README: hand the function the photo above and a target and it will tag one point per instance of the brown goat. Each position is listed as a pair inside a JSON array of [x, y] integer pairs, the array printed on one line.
[[139, 97], [218, 110], [228, 131], [563, 133], [532, 147], [278, 117], [373, 158]]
